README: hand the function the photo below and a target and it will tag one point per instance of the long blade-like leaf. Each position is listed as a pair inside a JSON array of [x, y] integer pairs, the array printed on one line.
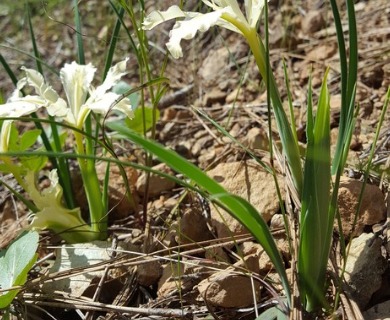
[[239, 208], [315, 205], [348, 73]]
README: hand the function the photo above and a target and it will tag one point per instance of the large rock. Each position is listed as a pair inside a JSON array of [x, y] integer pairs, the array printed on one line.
[[249, 181], [365, 267], [372, 210]]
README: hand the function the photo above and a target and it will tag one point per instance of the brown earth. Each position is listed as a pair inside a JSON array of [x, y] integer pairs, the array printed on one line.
[[195, 269]]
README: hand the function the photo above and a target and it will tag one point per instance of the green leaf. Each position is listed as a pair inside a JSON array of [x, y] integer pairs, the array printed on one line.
[[316, 222], [23, 142], [33, 163], [122, 87], [13, 138], [28, 139], [239, 208], [143, 116], [15, 263], [17, 142], [348, 73]]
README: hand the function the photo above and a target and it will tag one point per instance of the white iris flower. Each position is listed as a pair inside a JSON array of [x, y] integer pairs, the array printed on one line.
[[76, 80], [226, 13]]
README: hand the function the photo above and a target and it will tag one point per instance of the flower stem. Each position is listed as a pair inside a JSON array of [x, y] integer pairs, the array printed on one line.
[[289, 142], [92, 191]]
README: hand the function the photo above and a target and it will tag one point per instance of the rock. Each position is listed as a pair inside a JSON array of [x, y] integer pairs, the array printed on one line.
[[217, 254], [169, 114], [250, 247], [200, 144], [182, 276], [283, 246], [184, 148], [263, 264], [119, 204], [372, 211], [313, 22], [373, 78], [157, 184], [149, 273], [335, 102], [214, 96], [207, 157], [274, 278], [250, 181], [235, 130], [169, 240], [213, 67], [256, 138], [249, 263], [183, 114], [170, 279], [322, 52], [236, 95], [277, 222], [229, 290], [193, 227], [378, 312], [365, 267]]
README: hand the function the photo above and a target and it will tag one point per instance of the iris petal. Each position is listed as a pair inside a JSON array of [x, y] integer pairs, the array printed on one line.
[[114, 74], [226, 14], [76, 80], [187, 29], [157, 17]]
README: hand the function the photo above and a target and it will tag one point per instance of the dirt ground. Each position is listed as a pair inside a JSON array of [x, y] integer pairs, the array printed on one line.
[[216, 76]]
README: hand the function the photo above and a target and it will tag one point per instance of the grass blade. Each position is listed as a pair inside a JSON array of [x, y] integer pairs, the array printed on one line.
[[348, 71], [8, 70], [113, 40], [79, 36]]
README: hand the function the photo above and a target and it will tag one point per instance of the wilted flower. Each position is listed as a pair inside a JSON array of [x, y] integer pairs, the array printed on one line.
[[226, 13]]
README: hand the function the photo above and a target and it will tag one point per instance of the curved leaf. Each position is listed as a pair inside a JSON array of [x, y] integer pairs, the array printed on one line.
[[239, 208]]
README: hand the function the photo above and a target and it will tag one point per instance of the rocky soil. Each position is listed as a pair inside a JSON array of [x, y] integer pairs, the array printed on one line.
[[191, 260]]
